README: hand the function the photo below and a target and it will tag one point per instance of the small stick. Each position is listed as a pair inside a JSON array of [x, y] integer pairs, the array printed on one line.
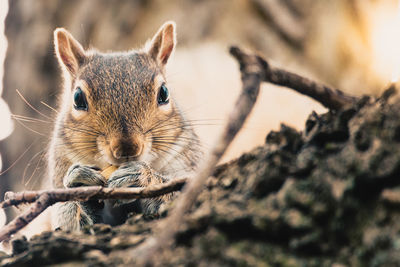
[[333, 99], [252, 75], [45, 198], [254, 70]]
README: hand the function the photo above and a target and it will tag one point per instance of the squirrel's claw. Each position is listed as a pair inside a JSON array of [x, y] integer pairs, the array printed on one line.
[[78, 175], [136, 174], [128, 175]]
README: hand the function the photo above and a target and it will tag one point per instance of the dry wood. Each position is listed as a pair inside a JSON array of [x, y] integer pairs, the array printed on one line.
[[252, 70], [45, 198], [331, 98]]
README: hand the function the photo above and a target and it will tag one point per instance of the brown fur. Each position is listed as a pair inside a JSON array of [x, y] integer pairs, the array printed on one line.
[[124, 122]]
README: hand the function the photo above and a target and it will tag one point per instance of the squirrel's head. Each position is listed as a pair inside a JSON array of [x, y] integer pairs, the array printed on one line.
[[117, 106]]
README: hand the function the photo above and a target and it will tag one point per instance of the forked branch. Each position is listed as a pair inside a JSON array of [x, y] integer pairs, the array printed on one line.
[[45, 198], [331, 98], [254, 70]]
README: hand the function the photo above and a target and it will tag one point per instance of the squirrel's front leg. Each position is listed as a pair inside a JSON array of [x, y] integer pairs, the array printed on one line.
[[139, 174], [73, 215]]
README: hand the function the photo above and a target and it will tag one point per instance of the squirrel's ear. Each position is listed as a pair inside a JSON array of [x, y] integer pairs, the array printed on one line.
[[163, 43], [69, 51]]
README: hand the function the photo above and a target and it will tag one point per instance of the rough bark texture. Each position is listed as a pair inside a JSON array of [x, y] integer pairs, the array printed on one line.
[[327, 195]]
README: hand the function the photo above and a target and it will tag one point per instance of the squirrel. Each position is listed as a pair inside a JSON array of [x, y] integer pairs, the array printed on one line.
[[116, 109]]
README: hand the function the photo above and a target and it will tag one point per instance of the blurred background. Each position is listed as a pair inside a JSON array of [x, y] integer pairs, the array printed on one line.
[[353, 45]]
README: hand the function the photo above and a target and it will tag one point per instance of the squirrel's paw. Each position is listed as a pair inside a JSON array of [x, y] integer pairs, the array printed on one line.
[[137, 174], [78, 175], [130, 174]]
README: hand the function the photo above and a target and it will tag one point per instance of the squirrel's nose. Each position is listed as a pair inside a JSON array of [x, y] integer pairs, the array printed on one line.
[[126, 147]]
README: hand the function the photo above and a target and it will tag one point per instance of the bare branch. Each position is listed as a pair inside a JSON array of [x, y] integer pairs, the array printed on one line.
[[254, 70], [252, 75], [333, 99], [42, 203], [45, 198]]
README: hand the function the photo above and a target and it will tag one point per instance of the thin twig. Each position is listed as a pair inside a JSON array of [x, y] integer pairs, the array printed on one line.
[[333, 99], [45, 198], [43, 202], [252, 75], [254, 70]]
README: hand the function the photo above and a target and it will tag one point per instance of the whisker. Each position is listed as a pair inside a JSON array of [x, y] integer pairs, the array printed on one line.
[[185, 124], [169, 146], [77, 143], [87, 131], [173, 116], [171, 137], [181, 143], [19, 158], [166, 153], [29, 164], [192, 147], [80, 146], [180, 161], [84, 131], [30, 119], [30, 129], [79, 156], [32, 107], [48, 106], [84, 155], [161, 128], [176, 144]]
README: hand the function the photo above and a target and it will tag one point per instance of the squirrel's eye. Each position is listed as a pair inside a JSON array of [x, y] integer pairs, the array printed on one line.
[[80, 102], [163, 95]]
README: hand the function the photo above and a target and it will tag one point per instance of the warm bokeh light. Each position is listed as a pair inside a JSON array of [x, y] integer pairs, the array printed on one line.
[[385, 33], [5, 120]]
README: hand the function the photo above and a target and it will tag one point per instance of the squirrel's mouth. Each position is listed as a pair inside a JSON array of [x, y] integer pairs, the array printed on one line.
[[110, 158], [114, 161], [116, 151]]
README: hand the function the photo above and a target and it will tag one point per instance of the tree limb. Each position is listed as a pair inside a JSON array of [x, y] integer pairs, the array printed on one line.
[[45, 198], [252, 71], [331, 98]]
